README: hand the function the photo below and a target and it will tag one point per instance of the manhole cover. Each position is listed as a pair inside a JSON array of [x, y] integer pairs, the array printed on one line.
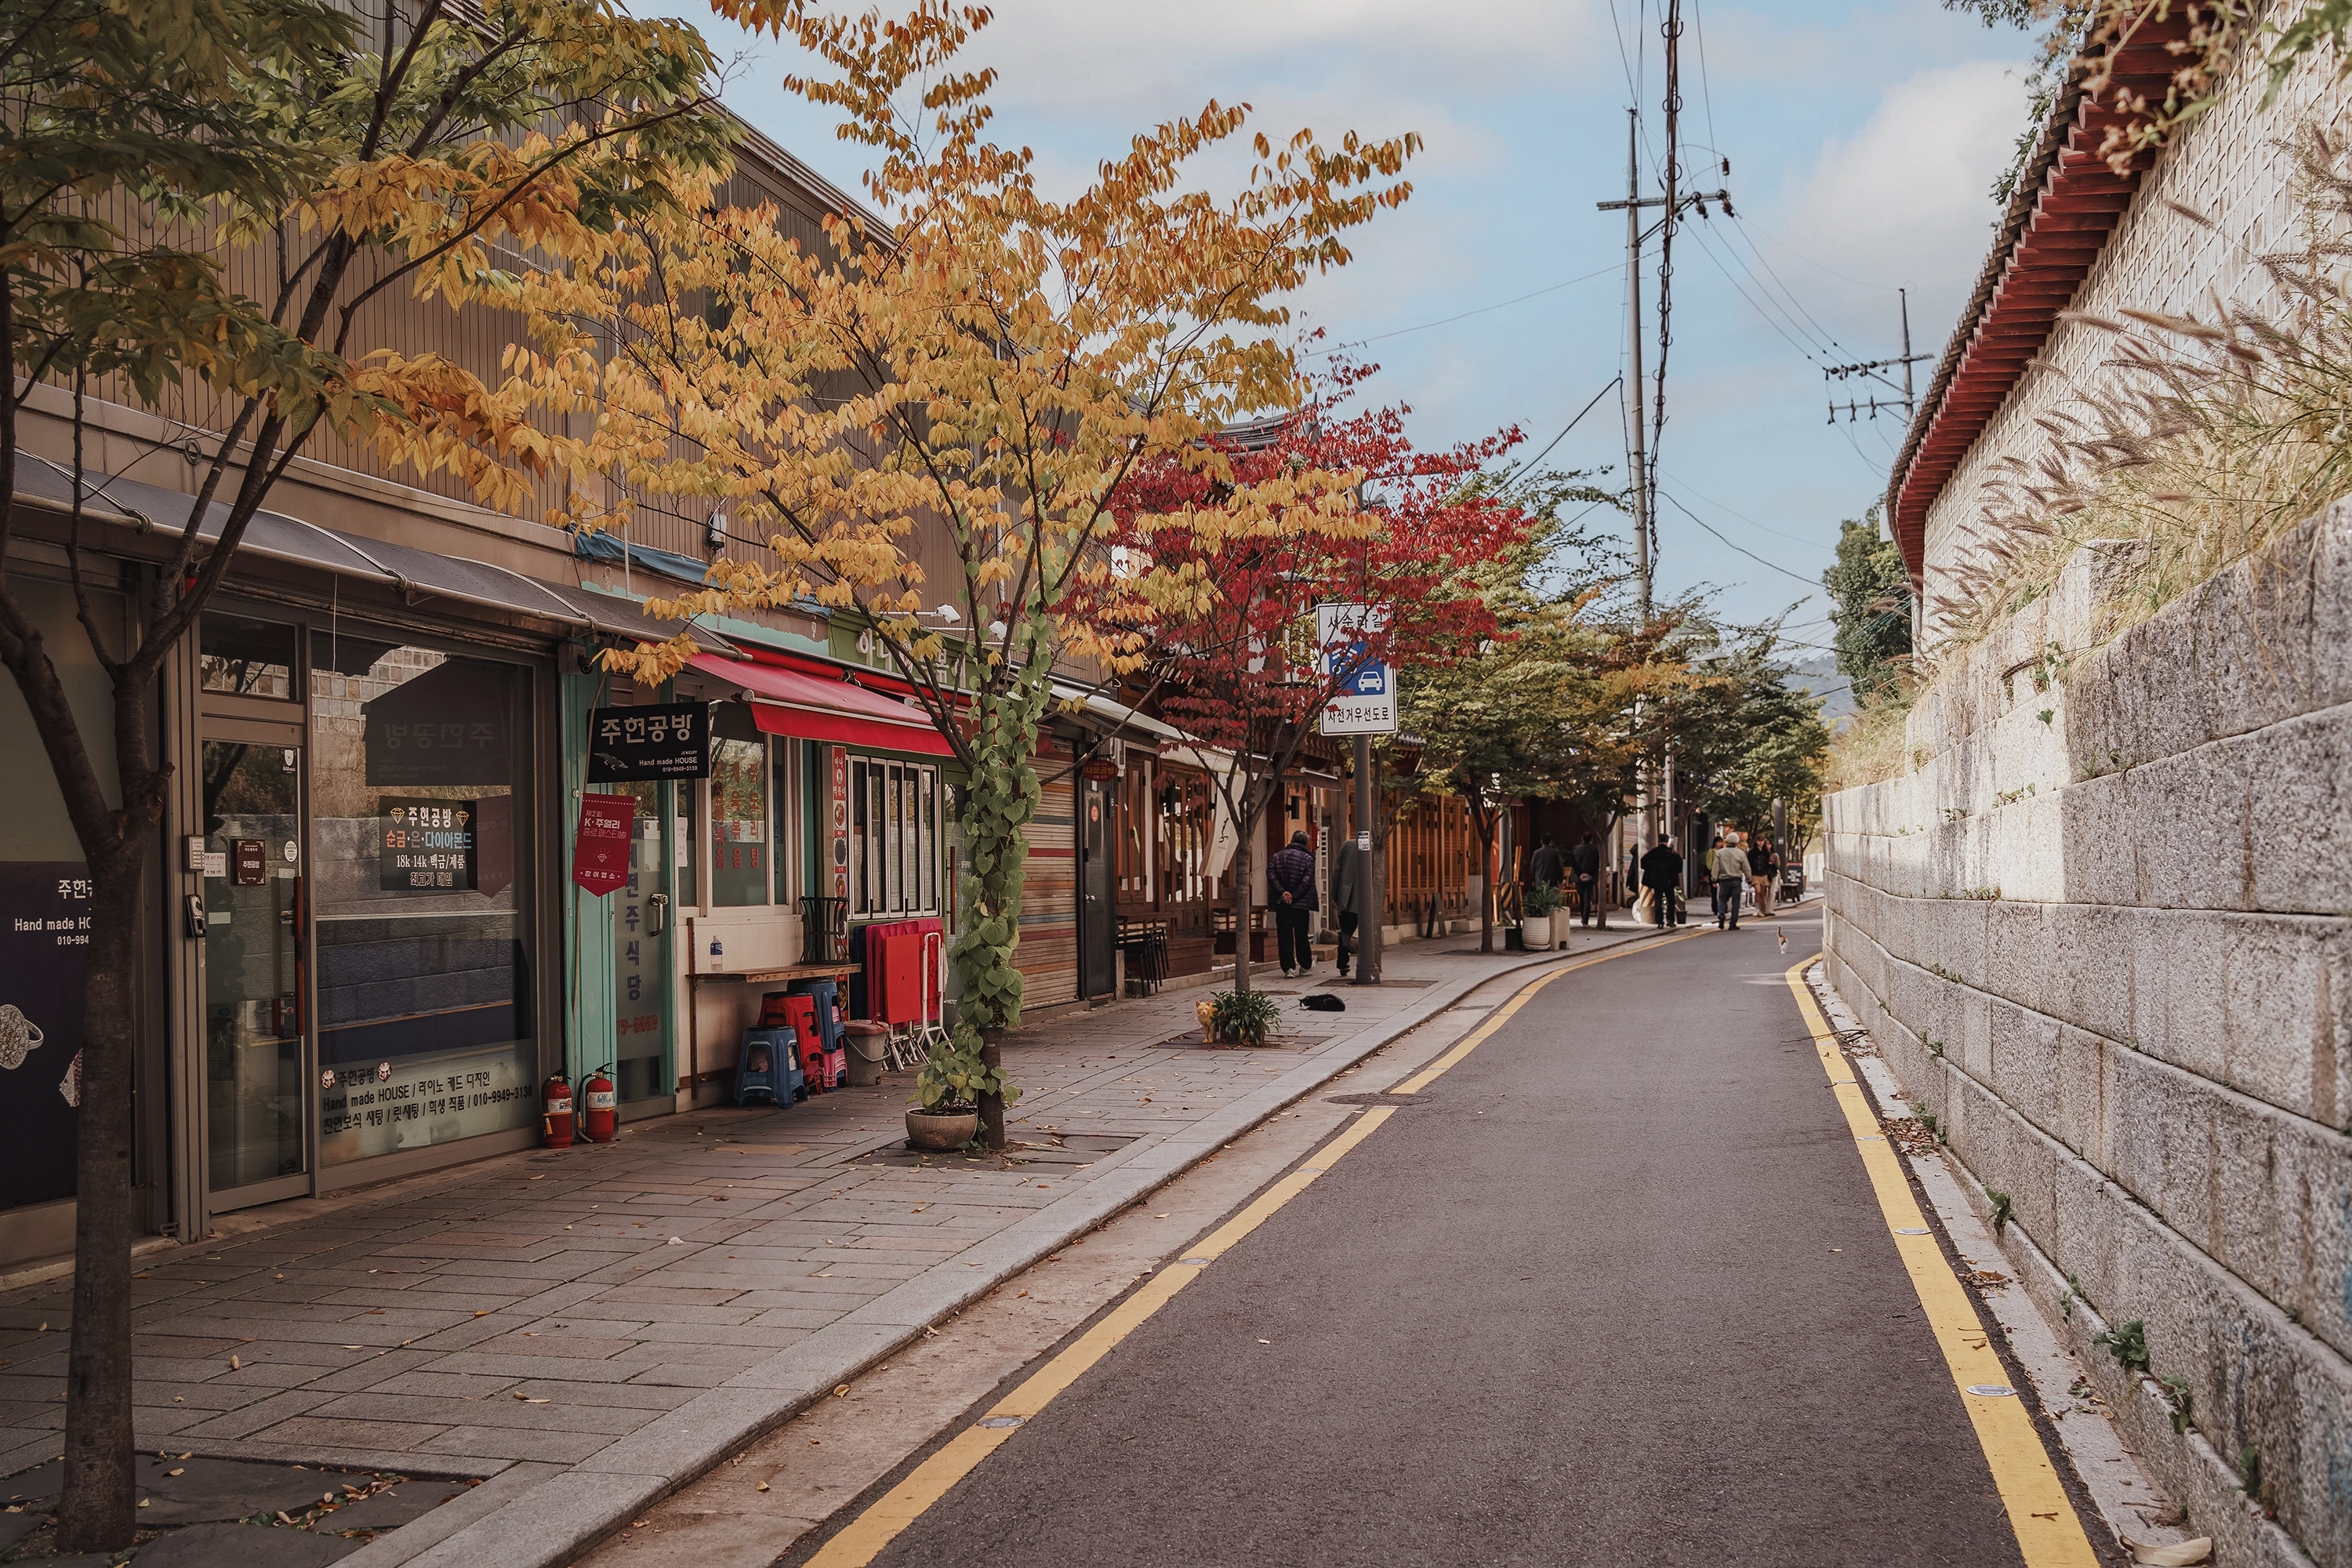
[[1378, 1098]]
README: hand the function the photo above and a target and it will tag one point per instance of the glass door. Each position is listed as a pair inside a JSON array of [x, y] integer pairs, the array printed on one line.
[[641, 953], [254, 981]]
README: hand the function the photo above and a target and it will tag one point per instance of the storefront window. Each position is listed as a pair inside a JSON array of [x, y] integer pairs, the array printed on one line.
[[739, 822], [893, 838], [422, 872], [245, 656]]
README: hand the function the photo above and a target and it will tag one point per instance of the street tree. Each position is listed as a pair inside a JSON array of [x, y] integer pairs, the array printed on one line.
[[1870, 608], [142, 147], [1528, 711], [984, 368], [1223, 571]]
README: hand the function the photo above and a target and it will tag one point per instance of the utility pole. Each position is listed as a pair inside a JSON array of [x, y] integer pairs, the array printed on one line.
[[1637, 467], [1873, 369], [1368, 879]]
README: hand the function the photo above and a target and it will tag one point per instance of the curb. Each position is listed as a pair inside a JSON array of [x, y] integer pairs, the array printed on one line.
[[562, 1515]]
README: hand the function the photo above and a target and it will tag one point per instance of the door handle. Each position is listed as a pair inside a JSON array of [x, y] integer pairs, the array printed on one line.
[[195, 913]]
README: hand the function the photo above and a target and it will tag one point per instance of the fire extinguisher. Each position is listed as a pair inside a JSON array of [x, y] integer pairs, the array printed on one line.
[[604, 1106], [556, 1112]]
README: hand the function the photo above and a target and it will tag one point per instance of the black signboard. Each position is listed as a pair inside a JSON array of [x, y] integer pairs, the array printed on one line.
[[44, 943], [448, 726], [428, 846], [672, 742]]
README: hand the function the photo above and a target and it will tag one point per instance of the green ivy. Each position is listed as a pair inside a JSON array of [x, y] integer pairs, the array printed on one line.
[[998, 803]]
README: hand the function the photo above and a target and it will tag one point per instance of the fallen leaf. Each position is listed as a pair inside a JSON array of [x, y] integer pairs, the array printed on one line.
[[674, 1241], [142, 1502], [178, 1472], [841, 1391], [235, 1364], [1265, 1341], [355, 1347], [2178, 1555], [761, 1487], [540, 1177], [929, 1333]]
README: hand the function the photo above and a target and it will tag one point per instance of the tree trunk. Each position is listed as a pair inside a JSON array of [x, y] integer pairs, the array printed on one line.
[[999, 801], [1242, 861], [1485, 822], [96, 1512], [95, 1509]]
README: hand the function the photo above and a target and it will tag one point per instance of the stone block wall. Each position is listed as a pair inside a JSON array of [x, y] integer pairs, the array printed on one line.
[[2102, 933]]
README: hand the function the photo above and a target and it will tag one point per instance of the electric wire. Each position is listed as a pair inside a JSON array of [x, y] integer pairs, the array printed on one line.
[[1809, 582], [1483, 310]]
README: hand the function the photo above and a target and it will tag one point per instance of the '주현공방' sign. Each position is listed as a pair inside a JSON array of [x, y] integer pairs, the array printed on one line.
[[428, 846], [600, 854], [628, 745]]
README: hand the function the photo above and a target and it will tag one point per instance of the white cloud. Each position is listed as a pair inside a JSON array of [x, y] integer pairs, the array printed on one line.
[[1904, 199]]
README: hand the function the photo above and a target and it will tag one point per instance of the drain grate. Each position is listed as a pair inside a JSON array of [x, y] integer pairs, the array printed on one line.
[[1378, 1098]]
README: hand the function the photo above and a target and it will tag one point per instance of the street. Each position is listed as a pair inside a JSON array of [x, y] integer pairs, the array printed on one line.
[[1614, 1289]]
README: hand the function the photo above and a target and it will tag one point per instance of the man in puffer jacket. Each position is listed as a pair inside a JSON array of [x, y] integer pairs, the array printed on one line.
[[1291, 874]]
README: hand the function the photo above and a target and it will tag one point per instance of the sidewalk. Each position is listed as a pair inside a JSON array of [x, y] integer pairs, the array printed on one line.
[[586, 1329]]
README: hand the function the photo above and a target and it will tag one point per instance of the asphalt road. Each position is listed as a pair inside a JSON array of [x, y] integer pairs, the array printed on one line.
[[1617, 1292]]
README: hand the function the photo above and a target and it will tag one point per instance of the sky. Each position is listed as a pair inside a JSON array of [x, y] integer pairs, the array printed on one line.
[[1863, 138]]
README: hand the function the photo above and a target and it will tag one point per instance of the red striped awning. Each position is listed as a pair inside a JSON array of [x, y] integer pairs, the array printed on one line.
[[786, 702]]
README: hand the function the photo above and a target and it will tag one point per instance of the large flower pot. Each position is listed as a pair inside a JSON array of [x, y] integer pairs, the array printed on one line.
[[1535, 932], [941, 1130]]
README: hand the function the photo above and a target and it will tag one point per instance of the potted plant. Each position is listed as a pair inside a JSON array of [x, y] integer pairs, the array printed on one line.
[[1245, 1017], [946, 1111], [1535, 909]]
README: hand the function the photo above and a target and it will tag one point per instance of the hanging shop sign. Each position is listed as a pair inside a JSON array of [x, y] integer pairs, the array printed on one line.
[[44, 942], [1099, 768], [629, 744], [429, 846], [600, 851], [446, 726]]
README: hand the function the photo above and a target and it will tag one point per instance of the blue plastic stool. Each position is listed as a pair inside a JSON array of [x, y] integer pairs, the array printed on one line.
[[767, 1067]]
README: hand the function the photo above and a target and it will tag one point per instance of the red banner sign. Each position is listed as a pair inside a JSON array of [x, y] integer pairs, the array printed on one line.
[[600, 854]]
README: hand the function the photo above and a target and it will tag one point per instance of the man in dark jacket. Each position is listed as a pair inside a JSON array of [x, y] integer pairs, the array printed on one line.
[[1291, 874], [1544, 867], [1662, 873], [1585, 865]]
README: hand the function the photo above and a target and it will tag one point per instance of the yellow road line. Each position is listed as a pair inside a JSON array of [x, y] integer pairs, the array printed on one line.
[[2049, 1533], [864, 1538]]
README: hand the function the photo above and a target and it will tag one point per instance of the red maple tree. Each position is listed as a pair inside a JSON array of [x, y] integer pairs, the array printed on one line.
[[1219, 564]]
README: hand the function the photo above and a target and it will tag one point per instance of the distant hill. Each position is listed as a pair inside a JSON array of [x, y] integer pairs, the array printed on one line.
[[1818, 675]]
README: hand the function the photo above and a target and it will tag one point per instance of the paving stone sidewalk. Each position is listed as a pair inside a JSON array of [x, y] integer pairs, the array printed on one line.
[[613, 1316]]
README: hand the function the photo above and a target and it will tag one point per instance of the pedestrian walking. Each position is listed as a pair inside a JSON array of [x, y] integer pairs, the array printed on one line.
[[1662, 873], [1764, 866], [1584, 864], [1546, 865], [1291, 873], [1714, 890], [1731, 872]]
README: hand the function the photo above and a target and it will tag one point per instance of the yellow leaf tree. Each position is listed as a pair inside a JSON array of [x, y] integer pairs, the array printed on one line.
[[989, 365]]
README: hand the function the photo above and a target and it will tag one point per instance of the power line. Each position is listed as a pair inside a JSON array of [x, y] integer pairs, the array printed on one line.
[[1808, 543], [1809, 582], [1448, 320], [1572, 423]]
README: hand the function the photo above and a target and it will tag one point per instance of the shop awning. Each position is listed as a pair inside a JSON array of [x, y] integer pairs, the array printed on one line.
[[786, 702]]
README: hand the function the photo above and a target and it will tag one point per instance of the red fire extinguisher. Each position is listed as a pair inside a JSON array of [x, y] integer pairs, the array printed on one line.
[[604, 1106], [556, 1109]]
